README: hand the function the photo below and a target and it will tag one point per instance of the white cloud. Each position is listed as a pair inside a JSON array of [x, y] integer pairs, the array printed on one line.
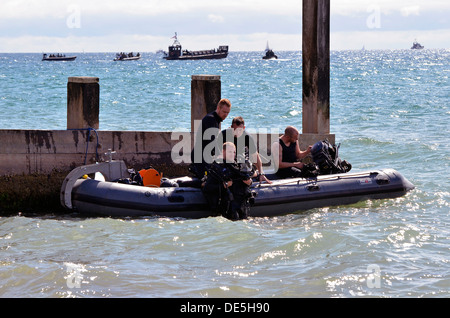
[[146, 25], [23, 9], [58, 8], [411, 10], [352, 8], [215, 18]]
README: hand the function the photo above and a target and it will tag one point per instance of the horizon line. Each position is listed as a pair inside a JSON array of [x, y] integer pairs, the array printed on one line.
[[237, 51]]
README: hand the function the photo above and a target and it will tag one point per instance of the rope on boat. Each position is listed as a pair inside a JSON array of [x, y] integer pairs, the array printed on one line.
[[316, 180]]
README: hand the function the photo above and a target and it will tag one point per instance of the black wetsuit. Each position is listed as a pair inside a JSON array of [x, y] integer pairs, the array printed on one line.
[[288, 155], [233, 202], [245, 144], [211, 120]]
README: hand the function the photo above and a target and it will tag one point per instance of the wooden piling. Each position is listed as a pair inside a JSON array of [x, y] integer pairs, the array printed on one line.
[[83, 102], [205, 95], [316, 72]]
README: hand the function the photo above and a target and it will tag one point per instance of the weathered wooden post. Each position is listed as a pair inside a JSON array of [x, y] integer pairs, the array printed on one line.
[[205, 95], [83, 102], [206, 92], [316, 72]]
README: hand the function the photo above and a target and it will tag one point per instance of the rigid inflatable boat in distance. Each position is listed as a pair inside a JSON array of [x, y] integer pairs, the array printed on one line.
[[57, 57], [106, 197]]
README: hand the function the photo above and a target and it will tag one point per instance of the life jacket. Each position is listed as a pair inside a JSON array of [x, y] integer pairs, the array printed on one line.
[[150, 177]]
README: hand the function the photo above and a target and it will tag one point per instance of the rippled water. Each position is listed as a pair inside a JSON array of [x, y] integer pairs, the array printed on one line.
[[388, 109]]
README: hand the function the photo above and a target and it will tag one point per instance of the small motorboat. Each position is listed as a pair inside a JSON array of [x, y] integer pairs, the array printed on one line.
[[57, 57], [127, 56], [269, 53], [106, 196], [416, 46]]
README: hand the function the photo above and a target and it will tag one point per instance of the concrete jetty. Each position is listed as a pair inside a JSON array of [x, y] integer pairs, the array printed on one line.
[[33, 163]]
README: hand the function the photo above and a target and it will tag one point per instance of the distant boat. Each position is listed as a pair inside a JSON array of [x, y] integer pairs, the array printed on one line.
[[176, 53], [416, 46], [127, 57], [269, 53], [57, 57]]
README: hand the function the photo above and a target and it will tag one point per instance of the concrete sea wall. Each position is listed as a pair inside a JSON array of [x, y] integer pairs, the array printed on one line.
[[33, 163], [43, 151]]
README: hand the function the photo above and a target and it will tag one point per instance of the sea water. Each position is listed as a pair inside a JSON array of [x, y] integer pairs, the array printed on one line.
[[389, 109]]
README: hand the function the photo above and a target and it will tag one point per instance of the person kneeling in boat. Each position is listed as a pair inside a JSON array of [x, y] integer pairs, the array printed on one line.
[[227, 185], [288, 153]]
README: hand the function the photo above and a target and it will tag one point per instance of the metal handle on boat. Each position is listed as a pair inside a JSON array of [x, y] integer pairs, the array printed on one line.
[[111, 170], [313, 188]]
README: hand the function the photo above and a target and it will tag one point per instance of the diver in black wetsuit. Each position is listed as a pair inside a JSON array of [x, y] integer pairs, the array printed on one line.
[[212, 120], [227, 185]]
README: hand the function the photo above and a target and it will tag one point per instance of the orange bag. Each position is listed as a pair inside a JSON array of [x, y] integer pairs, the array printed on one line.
[[151, 177]]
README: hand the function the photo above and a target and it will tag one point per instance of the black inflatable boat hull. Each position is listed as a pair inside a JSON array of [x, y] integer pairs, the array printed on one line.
[[93, 197]]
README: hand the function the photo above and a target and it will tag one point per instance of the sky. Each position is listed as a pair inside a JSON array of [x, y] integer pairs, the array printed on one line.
[[57, 26]]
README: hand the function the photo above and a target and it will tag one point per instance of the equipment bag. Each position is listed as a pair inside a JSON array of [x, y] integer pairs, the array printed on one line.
[[326, 157]]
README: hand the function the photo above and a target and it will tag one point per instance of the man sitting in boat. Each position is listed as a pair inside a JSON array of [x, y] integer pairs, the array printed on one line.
[[245, 145], [227, 185], [202, 140], [287, 154]]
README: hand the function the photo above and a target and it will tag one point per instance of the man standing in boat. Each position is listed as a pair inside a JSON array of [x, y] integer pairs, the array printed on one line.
[[204, 147], [245, 145], [287, 154]]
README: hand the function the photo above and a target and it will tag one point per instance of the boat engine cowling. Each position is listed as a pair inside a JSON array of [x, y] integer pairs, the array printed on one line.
[[326, 157]]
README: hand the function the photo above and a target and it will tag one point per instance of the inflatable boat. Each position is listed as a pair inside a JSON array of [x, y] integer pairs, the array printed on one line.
[[106, 197]]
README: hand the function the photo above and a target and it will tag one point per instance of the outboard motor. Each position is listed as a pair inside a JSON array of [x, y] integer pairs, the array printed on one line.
[[325, 156]]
